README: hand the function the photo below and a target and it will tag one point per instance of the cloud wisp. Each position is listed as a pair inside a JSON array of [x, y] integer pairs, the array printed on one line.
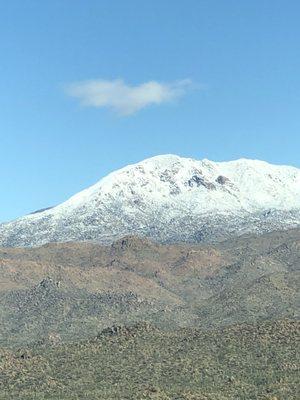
[[126, 99]]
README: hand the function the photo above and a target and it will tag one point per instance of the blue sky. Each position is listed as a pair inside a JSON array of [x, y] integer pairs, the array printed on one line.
[[75, 102]]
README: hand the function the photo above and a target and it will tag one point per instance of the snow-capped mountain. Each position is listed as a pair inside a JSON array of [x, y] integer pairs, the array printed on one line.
[[169, 199]]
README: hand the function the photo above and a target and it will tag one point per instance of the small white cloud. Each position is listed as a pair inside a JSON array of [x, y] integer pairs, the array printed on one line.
[[125, 99]]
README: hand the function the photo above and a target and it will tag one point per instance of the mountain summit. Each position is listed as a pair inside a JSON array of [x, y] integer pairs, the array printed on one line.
[[169, 199]]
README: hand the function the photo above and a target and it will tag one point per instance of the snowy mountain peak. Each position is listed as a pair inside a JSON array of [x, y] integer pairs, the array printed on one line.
[[170, 198], [245, 184]]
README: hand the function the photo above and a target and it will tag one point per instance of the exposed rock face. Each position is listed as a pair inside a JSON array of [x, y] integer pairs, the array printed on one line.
[[170, 199], [222, 180], [197, 180]]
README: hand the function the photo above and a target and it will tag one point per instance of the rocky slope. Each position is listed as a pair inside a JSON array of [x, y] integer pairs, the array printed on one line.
[[72, 291], [170, 199]]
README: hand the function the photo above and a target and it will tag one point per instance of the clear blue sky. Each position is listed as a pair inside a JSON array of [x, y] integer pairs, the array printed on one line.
[[242, 57]]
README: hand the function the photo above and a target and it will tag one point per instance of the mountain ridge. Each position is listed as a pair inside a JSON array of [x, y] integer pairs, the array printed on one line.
[[76, 289], [169, 199]]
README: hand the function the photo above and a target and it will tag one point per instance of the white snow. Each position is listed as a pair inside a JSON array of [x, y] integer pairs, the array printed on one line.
[[161, 190], [252, 185]]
